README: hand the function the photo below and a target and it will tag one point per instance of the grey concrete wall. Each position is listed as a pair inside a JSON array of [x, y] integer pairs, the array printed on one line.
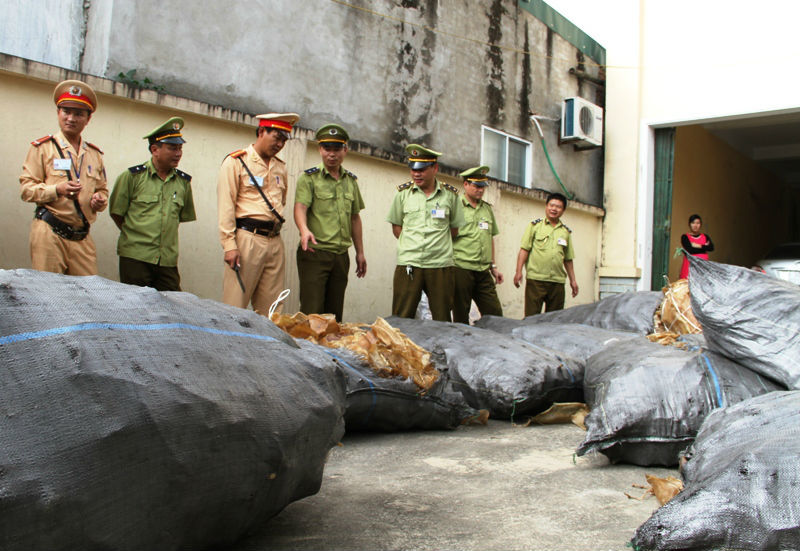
[[48, 31], [381, 70], [391, 71]]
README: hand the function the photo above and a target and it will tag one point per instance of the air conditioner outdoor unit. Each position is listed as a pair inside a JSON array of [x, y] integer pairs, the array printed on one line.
[[581, 122]]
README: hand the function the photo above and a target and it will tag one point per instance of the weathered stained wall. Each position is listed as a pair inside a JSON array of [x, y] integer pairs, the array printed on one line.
[[392, 71], [125, 115], [50, 31]]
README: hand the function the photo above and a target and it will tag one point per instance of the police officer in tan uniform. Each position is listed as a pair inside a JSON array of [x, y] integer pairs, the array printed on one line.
[[65, 176], [251, 195]]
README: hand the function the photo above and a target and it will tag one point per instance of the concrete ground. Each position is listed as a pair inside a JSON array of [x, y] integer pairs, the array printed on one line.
[[477, 488]]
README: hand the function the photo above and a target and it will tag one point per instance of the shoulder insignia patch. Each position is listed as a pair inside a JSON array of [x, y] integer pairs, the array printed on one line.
[[238, 153], [448, 187], [183, 175], [312, 170], [566, 227], [137, 169], [95, 147], [348, 173], [42, 140], [536, 221], [401, 187]]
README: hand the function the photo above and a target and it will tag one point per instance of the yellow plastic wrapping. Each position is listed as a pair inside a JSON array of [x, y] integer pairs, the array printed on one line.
[[663, 488], [674, 317], [388, 351]]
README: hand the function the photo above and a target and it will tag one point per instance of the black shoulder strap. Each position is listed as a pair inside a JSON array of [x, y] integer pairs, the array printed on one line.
[[69, 177], [255, 183]]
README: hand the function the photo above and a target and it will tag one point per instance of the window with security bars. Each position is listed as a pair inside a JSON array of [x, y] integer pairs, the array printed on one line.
[[508, 157]]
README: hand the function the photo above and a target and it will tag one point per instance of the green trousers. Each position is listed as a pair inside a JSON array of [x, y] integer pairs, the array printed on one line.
[[478, 286], [323, 280], [549, 293], [410, 281], [144, 274]]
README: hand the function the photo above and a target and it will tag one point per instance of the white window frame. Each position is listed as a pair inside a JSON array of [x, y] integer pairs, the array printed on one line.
[[528, 176]]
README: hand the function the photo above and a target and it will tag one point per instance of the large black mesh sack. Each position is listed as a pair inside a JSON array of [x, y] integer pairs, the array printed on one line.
[[133, 419], [501, 374], [648, 401], [749, 317], [499, 324], [388, 404], [623, 312], [741, 483], [575, 340]]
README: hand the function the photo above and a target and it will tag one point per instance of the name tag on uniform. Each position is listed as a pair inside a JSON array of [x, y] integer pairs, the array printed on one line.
[[259, 180], [483, 225], [562, 242], [62, 164], [437, 213]]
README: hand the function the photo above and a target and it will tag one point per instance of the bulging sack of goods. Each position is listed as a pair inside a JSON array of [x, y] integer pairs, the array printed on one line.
[[135, 419]]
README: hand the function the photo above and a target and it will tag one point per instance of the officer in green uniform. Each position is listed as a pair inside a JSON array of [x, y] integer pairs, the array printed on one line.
[[327, 203], [425, 216], [147, 204], [473, 251], [546, 253]]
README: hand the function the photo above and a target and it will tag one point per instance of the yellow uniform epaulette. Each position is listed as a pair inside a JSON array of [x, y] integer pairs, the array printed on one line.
[[448, 187], [348, 173], [238, 153], [41, 140], [312, 170], [95, 147], [536, 221], [407, 185], [137, 169], [183, 175]]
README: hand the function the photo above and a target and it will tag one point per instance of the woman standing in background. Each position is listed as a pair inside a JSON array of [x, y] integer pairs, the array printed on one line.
[[694, 243]]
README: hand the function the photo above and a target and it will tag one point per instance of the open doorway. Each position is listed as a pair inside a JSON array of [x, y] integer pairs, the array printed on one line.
[[742, 176]]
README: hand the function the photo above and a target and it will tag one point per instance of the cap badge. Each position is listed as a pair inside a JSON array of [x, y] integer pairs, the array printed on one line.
[[75, 91], [484, 170], [176, 126], [333, 131], [415, 152]]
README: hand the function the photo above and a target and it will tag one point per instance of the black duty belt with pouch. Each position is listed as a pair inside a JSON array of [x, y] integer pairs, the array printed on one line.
[[61, 228], [267, 228]]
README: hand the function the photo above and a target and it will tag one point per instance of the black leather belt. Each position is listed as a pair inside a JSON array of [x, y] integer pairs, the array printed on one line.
[[268, 228], [61, 228]]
